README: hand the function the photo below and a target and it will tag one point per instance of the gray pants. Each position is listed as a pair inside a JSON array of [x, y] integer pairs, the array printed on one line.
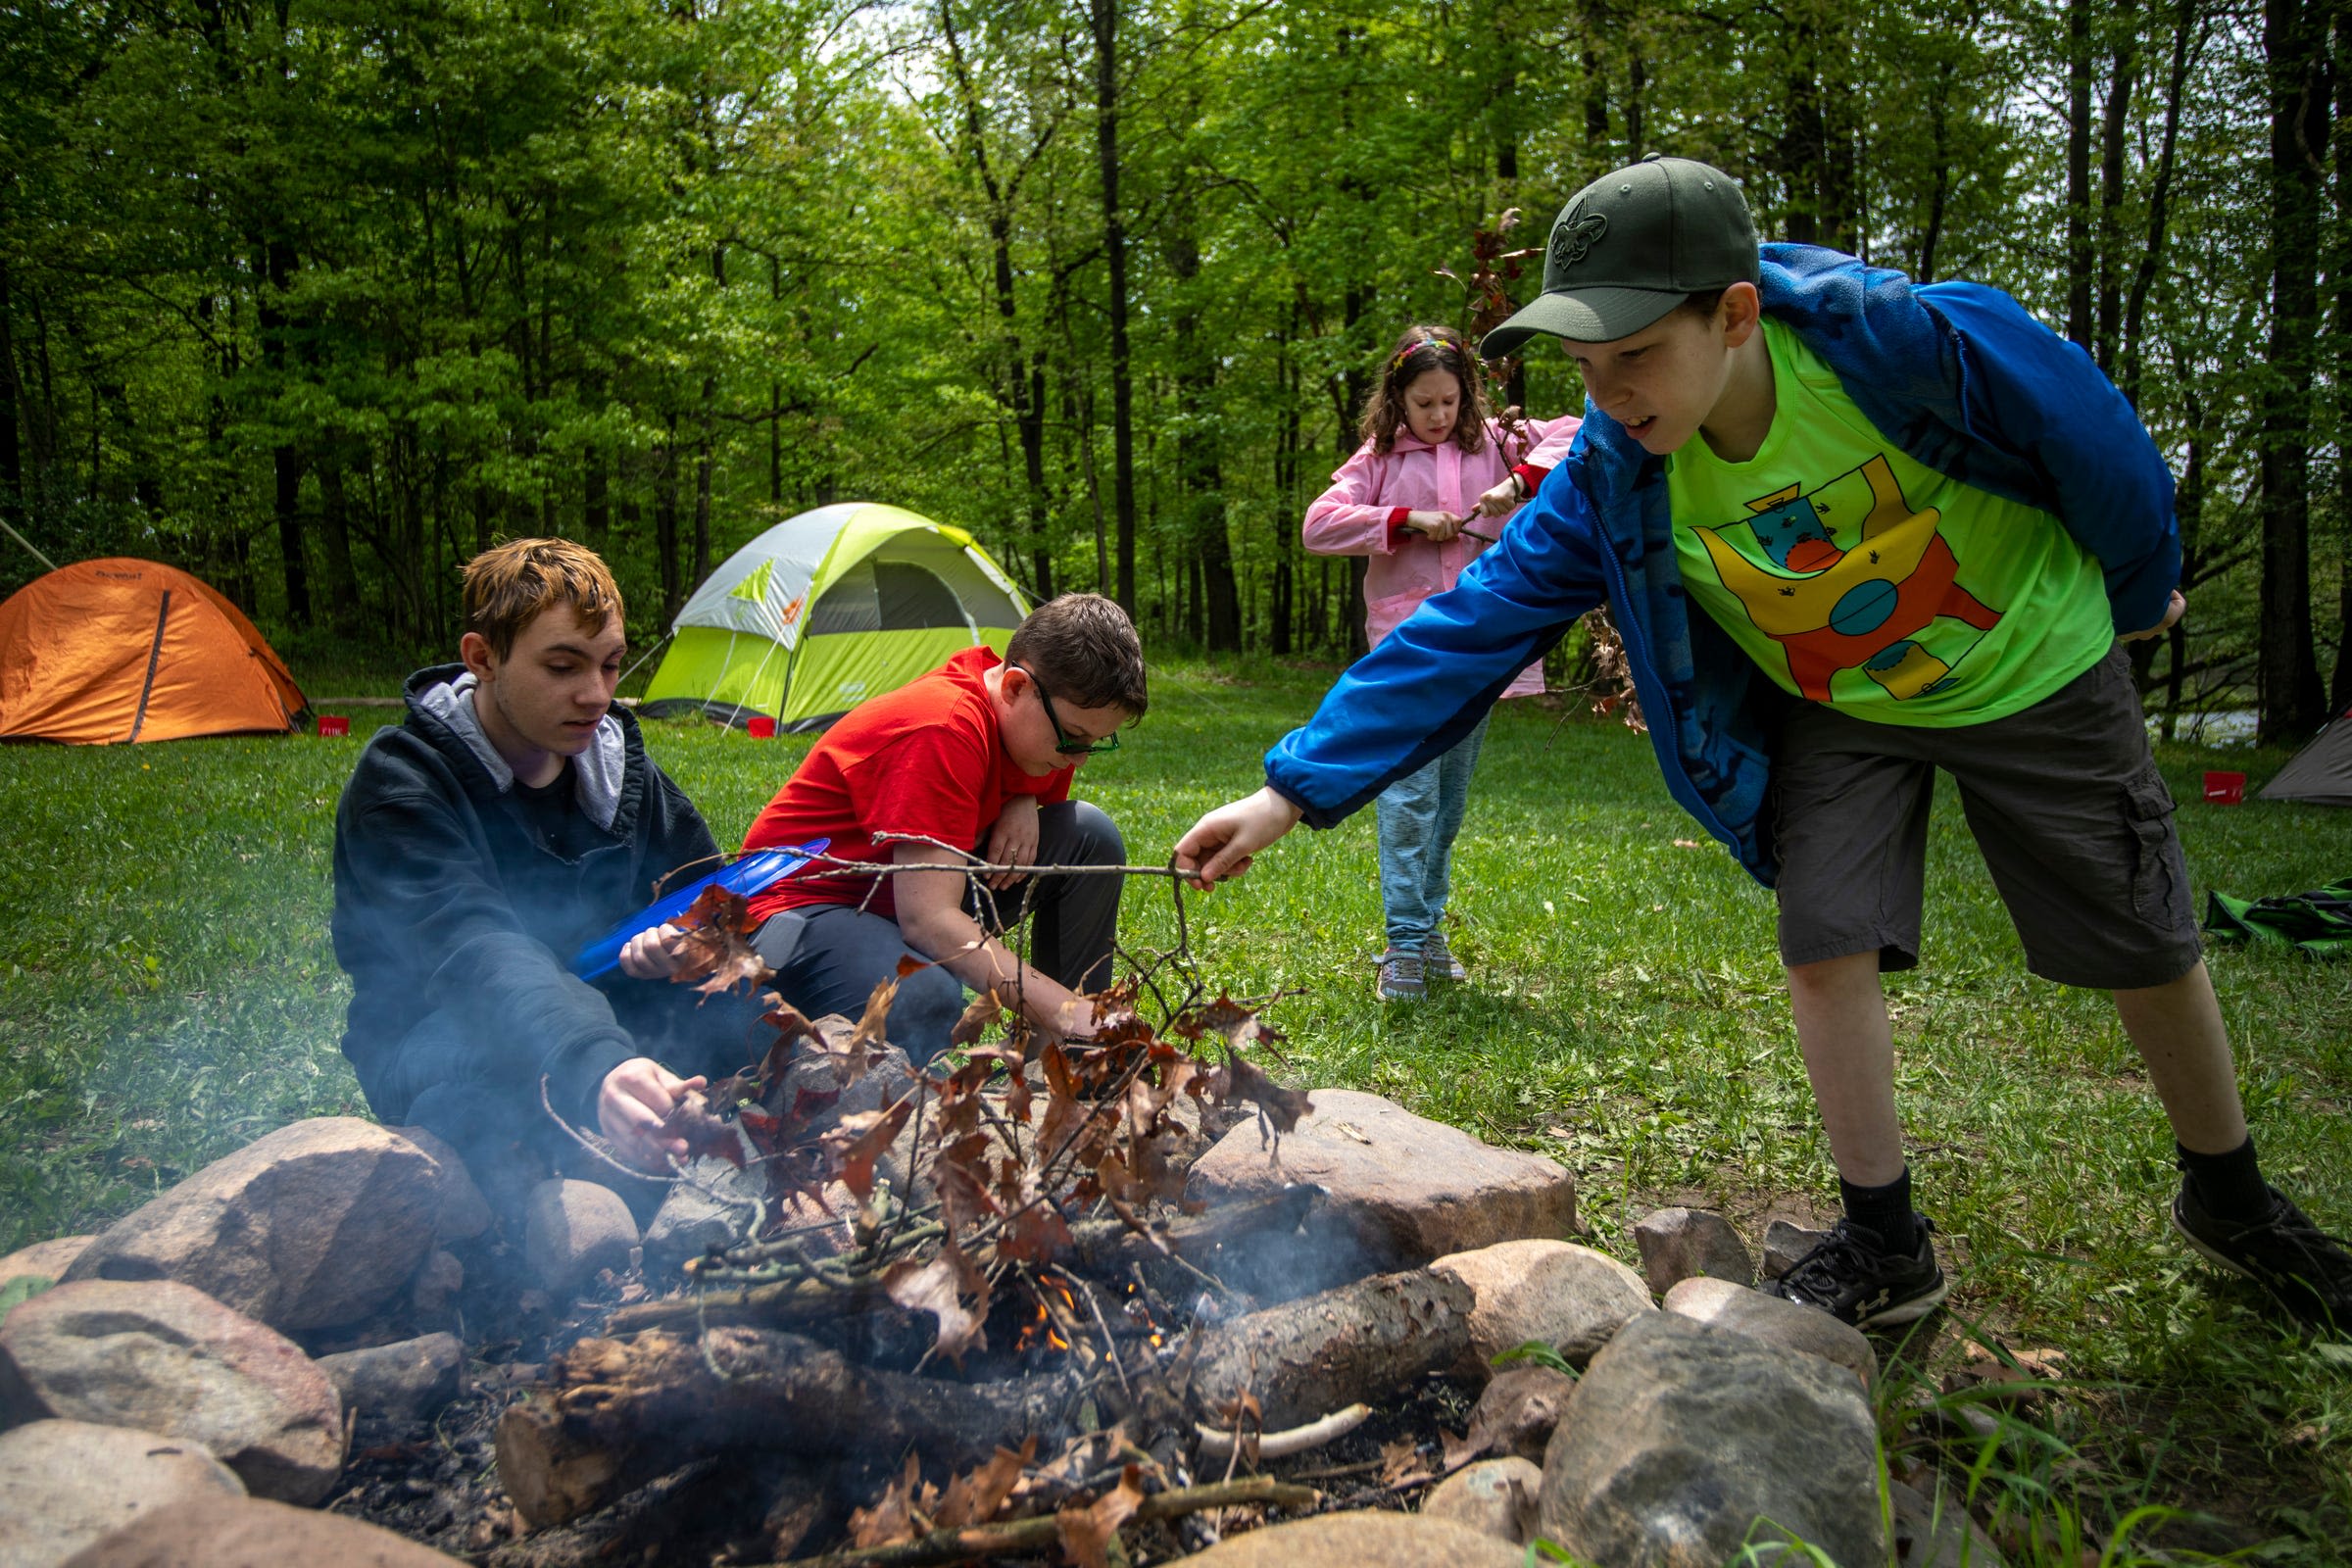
[[2075, 822], [829, 957]]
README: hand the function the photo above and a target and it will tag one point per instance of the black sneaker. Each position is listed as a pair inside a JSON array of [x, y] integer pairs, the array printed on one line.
[[1852, 1276], [2303, 1267]]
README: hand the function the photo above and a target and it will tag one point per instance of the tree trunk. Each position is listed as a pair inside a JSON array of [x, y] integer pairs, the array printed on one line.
[[1939, 103], [596, 500], [285, 461], [1596, 25], [2113, 125], [1801, 136], [1104, 14], [1033, 470], [1841, 137], [2189, 507], [334, 535], [2292, 701], [12, 452], [665, 522], [701, 486], [1637, 82], [1199, 446], [2188, 25], [2339, 692], [2078, 258]]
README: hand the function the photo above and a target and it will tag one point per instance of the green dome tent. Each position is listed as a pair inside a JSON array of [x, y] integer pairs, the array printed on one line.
[[828, 609]]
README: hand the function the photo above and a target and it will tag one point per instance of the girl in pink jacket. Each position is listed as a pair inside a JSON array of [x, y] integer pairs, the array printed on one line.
[[1416, 498]]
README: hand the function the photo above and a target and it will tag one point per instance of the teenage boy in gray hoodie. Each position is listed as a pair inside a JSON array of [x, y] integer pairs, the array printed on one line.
[[509, 819]]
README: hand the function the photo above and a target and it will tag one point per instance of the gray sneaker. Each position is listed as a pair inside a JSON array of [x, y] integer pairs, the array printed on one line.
[[1438, 962], [1400, 976]]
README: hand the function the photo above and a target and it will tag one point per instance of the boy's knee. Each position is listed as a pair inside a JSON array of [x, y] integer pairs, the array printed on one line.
[[1096, 839]]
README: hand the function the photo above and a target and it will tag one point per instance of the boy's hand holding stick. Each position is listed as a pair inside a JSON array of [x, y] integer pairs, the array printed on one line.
[[1220, 845]]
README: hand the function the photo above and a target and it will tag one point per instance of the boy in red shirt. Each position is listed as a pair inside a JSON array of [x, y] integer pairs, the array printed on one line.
[[977, 754]]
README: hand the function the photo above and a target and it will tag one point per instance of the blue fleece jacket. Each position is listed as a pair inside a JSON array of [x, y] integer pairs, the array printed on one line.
[[1956, 375]]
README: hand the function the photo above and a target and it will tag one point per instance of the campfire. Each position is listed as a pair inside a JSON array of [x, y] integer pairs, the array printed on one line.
[[987, 1284], [1112, 1300]]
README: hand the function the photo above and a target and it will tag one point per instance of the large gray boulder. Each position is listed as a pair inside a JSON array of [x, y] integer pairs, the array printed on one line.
[[1777, 1322], [64, 1483], [1403, 1190], [1683, 1442], [314, 1225], [463, 1212], [249, 1533], [1558, 1294], [159, 1356], [1362, 1541]]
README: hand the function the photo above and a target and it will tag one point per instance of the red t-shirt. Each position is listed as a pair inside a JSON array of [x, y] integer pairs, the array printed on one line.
[[925, 758]]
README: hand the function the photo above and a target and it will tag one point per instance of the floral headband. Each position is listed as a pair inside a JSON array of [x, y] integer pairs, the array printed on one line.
[[1411, 349]]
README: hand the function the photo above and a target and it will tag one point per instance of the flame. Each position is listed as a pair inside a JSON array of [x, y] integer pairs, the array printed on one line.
[[1055, 1339]]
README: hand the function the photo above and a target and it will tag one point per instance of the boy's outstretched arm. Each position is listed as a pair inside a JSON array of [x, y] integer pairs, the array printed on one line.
[[932, 919], [1415, 695], [1221, 844]]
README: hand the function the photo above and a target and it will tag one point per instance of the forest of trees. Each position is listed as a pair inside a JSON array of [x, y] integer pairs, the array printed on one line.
[[316, 298]]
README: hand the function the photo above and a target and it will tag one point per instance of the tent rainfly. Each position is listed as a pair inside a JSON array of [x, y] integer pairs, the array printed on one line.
[[120, 650], [2320, 774], [827, 609]]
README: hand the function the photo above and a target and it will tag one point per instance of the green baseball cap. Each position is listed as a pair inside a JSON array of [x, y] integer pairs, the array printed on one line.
[[1632, 245]]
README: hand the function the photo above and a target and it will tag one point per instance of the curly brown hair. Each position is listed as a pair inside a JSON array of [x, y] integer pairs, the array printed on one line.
[[1422, 349]]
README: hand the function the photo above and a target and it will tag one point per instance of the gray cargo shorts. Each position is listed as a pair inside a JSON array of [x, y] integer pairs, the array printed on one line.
[[2074, 821]]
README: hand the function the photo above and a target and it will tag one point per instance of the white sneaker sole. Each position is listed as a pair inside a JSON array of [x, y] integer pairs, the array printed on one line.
[[1910, 1311], [2204, 1250]]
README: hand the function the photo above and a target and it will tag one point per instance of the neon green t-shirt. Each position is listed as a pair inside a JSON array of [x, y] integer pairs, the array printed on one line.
[[1854, 575]]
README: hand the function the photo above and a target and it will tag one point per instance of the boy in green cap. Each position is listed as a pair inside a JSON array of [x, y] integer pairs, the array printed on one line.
[[1916, 526]]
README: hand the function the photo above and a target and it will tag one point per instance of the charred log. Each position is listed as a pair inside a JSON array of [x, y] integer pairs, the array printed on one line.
[[1304, 1359], [622, 1413]]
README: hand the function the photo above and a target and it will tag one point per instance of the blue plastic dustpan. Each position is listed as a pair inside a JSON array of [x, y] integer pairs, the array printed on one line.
[[753, 873]]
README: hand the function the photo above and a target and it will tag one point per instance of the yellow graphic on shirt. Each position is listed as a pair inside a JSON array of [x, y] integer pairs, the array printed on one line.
[[1836, 607]]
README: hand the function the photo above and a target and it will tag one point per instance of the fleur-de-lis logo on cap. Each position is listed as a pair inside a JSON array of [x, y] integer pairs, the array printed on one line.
[[1574, 234]]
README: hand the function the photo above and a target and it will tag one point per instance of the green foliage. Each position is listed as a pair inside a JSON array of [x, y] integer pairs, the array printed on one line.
[[318, 301], [1534, 1353]]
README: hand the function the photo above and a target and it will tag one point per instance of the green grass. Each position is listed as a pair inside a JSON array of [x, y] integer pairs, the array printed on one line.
[[168, 992]]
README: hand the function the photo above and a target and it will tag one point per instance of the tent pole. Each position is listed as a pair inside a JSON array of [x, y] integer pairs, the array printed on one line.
[[27, 544], [642, 658]]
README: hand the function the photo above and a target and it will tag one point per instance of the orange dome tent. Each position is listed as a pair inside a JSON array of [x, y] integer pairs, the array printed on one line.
[[120, 650]]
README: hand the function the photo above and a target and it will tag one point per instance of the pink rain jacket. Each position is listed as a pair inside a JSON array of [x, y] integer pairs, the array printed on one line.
[[1373, 490]]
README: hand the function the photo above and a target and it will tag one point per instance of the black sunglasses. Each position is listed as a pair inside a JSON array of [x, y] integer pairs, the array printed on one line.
[[1061, 737]]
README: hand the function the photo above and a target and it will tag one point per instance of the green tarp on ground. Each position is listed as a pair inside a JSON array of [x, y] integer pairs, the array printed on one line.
[[2318, 922]]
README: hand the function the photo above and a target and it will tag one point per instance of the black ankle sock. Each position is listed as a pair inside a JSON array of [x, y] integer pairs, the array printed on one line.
[[2230, 1187], [1883, 1210]]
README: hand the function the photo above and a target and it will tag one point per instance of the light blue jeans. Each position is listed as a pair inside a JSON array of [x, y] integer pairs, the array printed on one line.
[[1419, 817]]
